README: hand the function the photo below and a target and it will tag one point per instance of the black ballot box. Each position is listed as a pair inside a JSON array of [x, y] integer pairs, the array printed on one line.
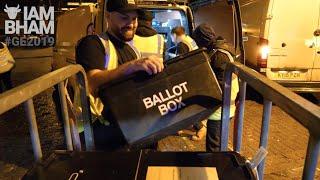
[[139, 165], [147, 108]]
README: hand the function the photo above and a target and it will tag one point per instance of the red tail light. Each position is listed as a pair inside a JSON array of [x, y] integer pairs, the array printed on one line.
[[263, 54]]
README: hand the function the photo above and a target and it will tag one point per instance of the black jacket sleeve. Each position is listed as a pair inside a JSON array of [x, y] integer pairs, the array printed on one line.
[[90, 53], [182, 48]]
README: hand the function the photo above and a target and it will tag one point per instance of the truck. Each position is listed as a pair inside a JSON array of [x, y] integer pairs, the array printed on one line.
[[281, 40]]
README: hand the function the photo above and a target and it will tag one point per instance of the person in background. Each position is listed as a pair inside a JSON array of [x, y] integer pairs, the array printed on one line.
[[184, 43], [110, 56], [147, 40], [221, 53], [90, 29]]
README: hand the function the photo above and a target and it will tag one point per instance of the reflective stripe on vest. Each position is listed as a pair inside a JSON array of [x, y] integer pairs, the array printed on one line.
[[111, 57], [152, 45], [226, 53], [111, 62], [192, 45], [216, 115]]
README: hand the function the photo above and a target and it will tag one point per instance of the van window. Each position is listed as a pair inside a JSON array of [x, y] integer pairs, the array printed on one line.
[[166, 19]]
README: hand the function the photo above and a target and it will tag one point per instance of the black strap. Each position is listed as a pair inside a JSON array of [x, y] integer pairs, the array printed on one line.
[[124, 51]]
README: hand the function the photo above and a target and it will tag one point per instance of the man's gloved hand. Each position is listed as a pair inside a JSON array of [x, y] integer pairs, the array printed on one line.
[[151, 65]]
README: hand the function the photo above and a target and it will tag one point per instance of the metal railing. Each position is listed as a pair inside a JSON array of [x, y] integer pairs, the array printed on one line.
[[25, 93], [306, 113]]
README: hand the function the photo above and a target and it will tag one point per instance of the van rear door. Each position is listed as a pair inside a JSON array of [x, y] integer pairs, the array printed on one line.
[[72, 26], [293, 22]]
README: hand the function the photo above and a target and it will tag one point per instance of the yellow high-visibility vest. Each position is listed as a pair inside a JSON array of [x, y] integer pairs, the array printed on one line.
[[6, 59], [192, 45], [147, 46], [111, 62], [111, 57], [216, 115]]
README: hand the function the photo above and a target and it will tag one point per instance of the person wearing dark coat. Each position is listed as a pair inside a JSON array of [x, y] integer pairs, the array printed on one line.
[[221, 54]]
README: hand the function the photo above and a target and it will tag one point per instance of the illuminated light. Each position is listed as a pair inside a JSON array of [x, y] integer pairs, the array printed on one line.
[[165, 24], [264, 52], [67, 9]]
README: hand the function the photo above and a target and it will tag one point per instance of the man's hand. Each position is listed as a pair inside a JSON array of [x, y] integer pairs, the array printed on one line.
[[151, 65], [97, 77]]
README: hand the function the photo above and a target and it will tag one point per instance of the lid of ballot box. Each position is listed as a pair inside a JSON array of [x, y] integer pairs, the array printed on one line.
[[134, 165]]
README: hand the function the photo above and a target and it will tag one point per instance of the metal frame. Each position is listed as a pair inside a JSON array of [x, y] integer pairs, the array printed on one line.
[[303, 111], [25, 93]]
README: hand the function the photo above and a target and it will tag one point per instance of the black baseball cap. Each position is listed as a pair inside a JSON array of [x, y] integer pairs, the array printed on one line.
[[121, 6], [145, 15], [204, 35]]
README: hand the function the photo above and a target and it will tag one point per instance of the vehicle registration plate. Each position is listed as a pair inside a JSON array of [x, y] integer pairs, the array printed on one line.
[[289, 75]]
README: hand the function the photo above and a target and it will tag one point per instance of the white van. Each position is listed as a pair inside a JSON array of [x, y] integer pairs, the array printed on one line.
[[281, 40]]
